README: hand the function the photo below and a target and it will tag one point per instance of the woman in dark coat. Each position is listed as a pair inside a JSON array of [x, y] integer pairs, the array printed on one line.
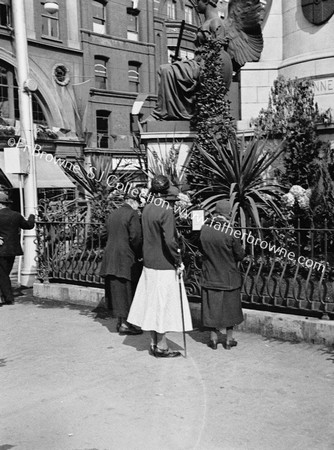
[[221, 279], [156, 305], [120, 265]]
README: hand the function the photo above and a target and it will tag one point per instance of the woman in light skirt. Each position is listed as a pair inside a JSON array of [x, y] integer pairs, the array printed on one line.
[[156, 306]]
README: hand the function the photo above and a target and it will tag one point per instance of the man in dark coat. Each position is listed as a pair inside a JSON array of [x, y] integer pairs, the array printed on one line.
[[10, 224], [120, 265]]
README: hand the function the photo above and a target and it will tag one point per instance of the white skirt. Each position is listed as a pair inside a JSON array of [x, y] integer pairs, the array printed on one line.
[[156, 305]]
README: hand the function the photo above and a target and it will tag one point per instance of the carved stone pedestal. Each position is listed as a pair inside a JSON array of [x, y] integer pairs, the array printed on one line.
[[161, 137]]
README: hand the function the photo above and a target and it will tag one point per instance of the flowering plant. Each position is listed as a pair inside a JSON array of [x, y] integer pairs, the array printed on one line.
[[297, 196], [288, 200]]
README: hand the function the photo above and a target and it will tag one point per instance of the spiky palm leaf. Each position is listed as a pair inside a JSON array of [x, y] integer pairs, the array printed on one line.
[[237, 174], [93, 180]]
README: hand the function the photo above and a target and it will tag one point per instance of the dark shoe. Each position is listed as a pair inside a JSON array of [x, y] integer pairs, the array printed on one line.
[[213, 344], [130, 331], [118, 326], [18, 294], [8, 302], [152, 350], [229, 344], [165, 353]]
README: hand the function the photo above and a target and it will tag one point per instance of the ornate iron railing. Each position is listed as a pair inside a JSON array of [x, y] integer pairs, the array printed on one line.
[[72, 252]]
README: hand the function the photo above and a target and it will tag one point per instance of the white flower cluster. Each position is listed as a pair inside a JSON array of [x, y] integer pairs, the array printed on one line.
[[184, 199], [299, 195]]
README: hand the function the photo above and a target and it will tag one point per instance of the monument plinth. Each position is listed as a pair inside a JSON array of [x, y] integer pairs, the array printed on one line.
[[162, 137]]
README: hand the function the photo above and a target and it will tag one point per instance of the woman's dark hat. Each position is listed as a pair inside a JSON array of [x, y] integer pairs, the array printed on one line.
[[4, 198], [223, 207], [132, 195], [160, 184], [172, 194]]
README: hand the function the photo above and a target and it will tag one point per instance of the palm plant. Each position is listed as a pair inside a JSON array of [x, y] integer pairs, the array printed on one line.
[[100, 181], [238, 173], [162, 162]]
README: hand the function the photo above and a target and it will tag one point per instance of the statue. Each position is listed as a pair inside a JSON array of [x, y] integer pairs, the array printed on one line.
[[242, 37]]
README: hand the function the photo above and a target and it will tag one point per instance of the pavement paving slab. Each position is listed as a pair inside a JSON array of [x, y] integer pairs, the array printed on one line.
[[68, 381]]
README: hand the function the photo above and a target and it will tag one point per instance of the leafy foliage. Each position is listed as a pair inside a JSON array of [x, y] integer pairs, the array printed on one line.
[[292, 114], [212, 118], [237, 174], [160, 164], [102, 182], [222, 166]]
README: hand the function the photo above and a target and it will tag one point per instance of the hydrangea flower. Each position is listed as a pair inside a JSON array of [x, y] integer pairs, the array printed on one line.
[[297, 191], [303, 201], [288, 199], [184, 199]]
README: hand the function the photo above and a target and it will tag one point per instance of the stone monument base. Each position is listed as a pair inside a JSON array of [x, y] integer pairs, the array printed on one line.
[[161, 137]]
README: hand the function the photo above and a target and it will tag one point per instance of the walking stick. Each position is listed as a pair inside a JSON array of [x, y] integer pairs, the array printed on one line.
[[182, 314]]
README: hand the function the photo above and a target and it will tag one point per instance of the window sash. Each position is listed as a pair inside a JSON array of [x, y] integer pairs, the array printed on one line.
[[9, 98], [100, 75], [5, 17], [171, 10], [50, 26], [98, 11], [132, 23], [102, 129], [188, 13]]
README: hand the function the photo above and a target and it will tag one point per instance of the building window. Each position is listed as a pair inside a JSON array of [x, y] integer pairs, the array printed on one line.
[[134, 78], [5, 16], [171, 9], [50, 24], [186, 54], [37, 112], [188, 14], [99, 17], [133, 24], [102, 128], [100, 72], [9, 97]]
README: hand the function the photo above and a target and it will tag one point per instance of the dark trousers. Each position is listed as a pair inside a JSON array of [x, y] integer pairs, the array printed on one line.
[[6, 265]]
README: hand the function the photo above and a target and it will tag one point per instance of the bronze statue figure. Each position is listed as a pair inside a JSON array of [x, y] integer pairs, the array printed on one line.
[[241, 34]]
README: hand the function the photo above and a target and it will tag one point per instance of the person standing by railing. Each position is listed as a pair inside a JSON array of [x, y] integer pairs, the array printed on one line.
[[221, 278], [156, 305], [120, 266], [10, 224]]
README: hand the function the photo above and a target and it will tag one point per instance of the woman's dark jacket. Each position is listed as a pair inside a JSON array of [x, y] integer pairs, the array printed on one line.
[[160, 248], [221, 250], [124, 243]]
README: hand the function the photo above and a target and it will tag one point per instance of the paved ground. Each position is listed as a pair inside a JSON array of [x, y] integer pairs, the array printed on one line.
[[68, 381]]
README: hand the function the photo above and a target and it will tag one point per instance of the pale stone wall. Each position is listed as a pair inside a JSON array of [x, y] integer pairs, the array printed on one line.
[[293, 47], [257, 78]]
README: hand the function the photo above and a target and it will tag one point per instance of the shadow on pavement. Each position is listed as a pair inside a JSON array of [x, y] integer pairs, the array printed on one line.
[[140, 342], [328, 351]]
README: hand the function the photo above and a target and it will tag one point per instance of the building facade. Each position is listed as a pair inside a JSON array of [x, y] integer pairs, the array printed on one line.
[[93, 59], [297, 44]]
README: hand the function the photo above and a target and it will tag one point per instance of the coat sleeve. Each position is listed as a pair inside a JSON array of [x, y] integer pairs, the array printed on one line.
[[169, 236], [135, 234], [27, 224], [238, 251]]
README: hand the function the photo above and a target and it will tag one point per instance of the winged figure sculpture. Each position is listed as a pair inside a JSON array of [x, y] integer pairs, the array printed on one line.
[[241, 33]]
